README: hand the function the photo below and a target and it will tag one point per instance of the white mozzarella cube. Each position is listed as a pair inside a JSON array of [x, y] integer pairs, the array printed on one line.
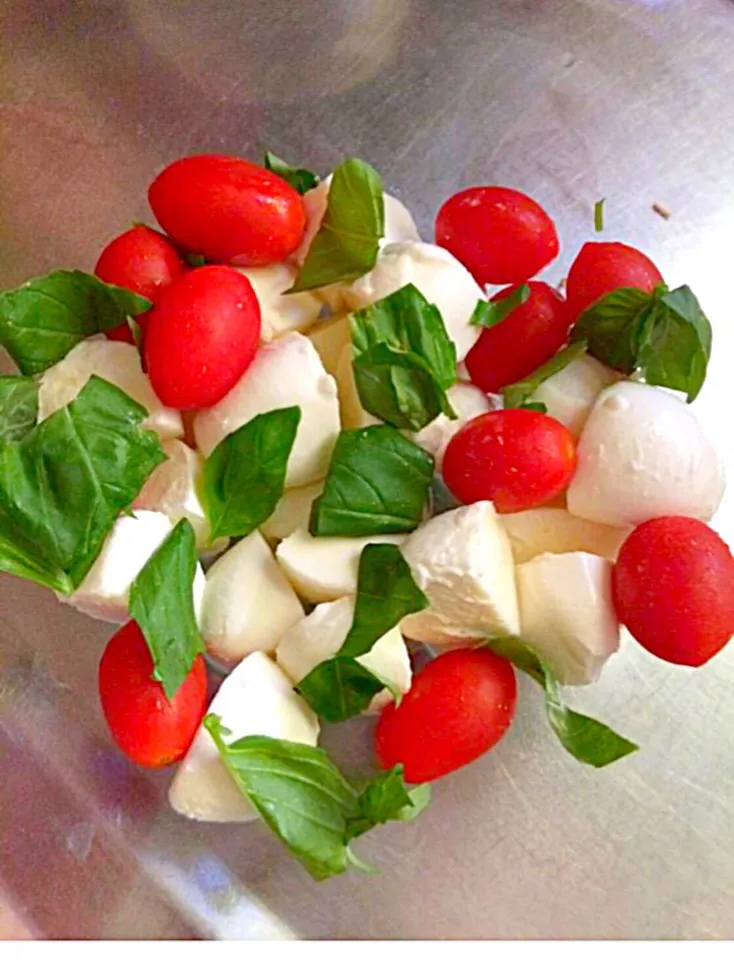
[[468, 402], [255, 699], [281, 313], [119, 364], [105, 591], [329, 339], [248, 603], [293, 511], [324, 568], [570, 394], [438, 275], [642, 454], [172, 488], [320, 635], [285, 373], [462, 561], [567, 615], [554, 530]]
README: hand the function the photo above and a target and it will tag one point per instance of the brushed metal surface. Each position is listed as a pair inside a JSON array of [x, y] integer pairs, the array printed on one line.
[[572, 100]]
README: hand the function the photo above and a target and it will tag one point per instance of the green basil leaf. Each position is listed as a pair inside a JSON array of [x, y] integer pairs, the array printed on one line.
[[611, 327], [378, 482], [307, 802], [339, 689], [386, 592], [407, 323], [537, 407], [586, 739], [599, 215], [300, 179], [399, 388], [244, 476], [65, 483], [17, 557], [195, 259], [162, 605], [386, 798], [675, 346], [18, 407], [43, 319], [488, 313], [518, 394], [348, 241]]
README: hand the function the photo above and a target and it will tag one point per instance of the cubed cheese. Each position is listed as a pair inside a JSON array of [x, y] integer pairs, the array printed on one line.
[[281, 313], [286, 372], [462, 561], [293, 511], [324, 568], [321, 634], [111, 360], [468, 402], [570, 394], [642, 454], [554, 530], [437, 274], [255, 699], [248, 603], [567, 615]]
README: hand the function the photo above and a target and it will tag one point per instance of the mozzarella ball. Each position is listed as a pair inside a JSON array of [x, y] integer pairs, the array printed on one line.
[[468, 402], [554, 530], [642, 454], [281, 313], [570, 394], [293, 511]]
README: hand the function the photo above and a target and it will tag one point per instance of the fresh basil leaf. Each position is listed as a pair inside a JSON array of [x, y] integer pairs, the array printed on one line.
[[386, 798], [195, 259], [44, 318], [348, 240], [518, 394], [162, 605], [17, 557], [675, 345], [339, 689], [399, 388], [386, 592], [611, 327], [307, 802], [244, 476], [18, 407], [407, 323], [537, 407], [378, 482], [65, 483], [488, 313], [599, 215], [300, 179], [586, 739]]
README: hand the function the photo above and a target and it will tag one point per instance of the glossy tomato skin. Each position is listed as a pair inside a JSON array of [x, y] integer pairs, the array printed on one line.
[[228, 209], [149, 729], [526, 339], [458, 707], [518, 459], [141, 260], [603, 267], [201, 336], [673, 588], [500, 235]]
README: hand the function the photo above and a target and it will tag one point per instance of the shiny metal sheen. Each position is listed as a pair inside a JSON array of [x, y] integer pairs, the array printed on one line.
[[571, 100]]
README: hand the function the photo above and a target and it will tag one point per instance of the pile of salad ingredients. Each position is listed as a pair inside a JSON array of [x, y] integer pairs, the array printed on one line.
[[286, 434]]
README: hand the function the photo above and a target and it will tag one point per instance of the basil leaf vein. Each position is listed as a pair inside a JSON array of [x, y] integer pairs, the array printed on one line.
[[300, 179], [162, 604], [18, 407], [44, 318], [244, 477]]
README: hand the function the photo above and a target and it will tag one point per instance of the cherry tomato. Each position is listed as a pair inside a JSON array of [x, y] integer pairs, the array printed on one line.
[[673, 588], [499, 234], [141, 260], [228, 209], [518, 459], [149, 729], [459, 706], [532, 334], [600, 268], [201, 336]]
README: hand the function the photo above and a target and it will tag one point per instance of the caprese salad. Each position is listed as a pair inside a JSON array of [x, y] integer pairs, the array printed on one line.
[[284, 434]]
